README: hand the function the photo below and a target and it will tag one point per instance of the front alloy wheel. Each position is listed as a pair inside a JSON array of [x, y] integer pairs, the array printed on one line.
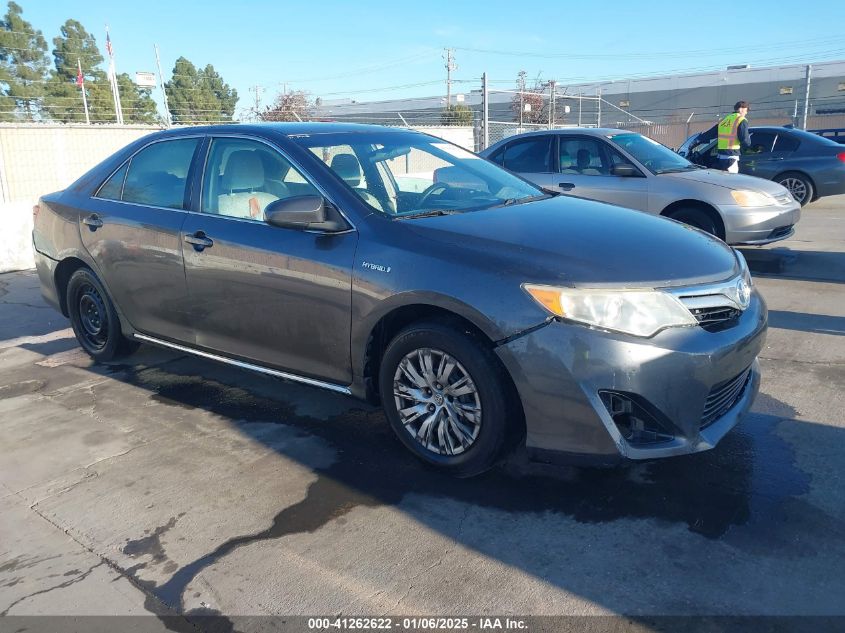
[[448, 398], [437, 401]]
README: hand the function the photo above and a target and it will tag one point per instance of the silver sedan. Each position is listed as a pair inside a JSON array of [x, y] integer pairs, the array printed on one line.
[[631, 170]]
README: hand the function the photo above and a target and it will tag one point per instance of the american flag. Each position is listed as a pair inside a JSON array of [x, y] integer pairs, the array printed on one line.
[[80, 80], [108, 45]]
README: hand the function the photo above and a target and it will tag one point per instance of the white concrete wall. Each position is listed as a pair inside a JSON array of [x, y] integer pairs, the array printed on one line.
[[39, 159]]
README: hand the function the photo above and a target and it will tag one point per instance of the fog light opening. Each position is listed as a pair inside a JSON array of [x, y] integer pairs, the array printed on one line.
[[635, 423]]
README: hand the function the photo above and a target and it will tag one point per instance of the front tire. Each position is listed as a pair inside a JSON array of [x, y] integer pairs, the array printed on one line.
[[698, 218], [798, 185], [94, 319], [445, 396]]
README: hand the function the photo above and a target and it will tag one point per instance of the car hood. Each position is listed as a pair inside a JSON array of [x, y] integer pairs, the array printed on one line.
[[729, 181], [576, 242]]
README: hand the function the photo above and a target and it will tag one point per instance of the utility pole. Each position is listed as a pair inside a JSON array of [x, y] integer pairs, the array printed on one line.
[[807, 97], [258, 90], [450, 66], [163, 91], [552, 90], [485, 112], [521, 85], [598, 115]]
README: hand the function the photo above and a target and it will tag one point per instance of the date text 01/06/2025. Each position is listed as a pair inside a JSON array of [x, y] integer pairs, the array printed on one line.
[[417, 623]]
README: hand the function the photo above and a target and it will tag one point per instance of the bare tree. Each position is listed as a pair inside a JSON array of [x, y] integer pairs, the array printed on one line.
[[289, 106]]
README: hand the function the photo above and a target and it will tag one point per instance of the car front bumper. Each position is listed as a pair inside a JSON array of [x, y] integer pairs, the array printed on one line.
[[762, 225], [560, 371]]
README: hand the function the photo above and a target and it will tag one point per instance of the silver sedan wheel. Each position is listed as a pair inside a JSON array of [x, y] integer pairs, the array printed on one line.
[[437, 401], [796, 187]]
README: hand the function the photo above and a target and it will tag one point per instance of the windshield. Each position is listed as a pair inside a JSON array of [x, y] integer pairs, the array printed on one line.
[[655, 157], [407, 174]]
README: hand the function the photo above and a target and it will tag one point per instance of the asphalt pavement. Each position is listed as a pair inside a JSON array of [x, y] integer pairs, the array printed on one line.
[[167, 484]]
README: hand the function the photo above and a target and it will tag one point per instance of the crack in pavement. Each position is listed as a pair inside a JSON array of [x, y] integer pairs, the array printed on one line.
[[151, 603], [63, 585]]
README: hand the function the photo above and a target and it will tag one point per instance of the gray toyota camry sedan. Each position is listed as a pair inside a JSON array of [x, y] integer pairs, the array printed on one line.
[[481, 312]]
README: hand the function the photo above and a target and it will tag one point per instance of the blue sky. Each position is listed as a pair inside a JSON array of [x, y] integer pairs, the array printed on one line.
[[341, 49]]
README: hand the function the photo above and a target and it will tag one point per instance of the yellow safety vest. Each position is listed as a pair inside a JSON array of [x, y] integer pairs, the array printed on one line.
[[728, 131]]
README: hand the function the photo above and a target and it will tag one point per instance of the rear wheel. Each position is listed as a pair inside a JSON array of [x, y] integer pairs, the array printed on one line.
[[698, 218], [94, 319], [798, 185], [445, 396]]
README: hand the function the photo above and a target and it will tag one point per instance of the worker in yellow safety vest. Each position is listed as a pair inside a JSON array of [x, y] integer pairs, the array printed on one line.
[[732, 137]]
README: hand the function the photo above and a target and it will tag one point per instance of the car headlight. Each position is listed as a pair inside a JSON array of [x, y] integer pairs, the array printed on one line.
[[743, 266], [745, 198], [637, 312]]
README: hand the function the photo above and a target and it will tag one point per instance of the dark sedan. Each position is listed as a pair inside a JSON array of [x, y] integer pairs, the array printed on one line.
[[396, 267], [807, 164]]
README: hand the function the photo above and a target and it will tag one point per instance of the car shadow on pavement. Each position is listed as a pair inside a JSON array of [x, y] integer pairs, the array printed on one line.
[[796, 264], [804, 322], [745, 495]]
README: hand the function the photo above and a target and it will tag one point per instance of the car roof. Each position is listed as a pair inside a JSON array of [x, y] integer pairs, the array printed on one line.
[[588, 131], [285, 129], [578, 131]]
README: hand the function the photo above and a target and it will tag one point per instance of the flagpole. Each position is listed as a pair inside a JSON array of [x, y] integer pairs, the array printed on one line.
[[167, 118], [81, 81], [115, 92]]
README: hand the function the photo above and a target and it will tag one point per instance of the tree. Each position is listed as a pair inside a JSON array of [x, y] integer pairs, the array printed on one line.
[[24, 66], [63, 101], [456, 114], [534, 98], [199, 96], [289, 106], [226, 96], [137, 103]]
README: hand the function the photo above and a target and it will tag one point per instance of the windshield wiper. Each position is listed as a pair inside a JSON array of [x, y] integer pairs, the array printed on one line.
[[427, 214], [676, 170], [511, 201]]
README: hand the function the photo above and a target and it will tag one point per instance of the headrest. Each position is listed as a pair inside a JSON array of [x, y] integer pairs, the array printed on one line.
[[583, 158], [244, 170], [347, 167]]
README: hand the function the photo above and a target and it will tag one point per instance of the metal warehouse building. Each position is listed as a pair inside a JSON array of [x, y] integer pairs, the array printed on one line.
[[778, 95]]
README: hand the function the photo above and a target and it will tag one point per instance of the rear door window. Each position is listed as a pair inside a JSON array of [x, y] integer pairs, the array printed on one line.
[[786, 143], [530, 155], [158, 174]]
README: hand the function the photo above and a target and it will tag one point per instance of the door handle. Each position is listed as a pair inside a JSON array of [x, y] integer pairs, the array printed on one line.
[[199, 241], [93, 222], [567, 186]]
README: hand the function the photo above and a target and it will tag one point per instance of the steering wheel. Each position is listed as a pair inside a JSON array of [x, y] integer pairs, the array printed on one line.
[[430, 191]]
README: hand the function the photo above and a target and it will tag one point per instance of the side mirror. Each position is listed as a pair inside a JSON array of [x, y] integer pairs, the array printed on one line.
[[300, 212], [626, 171]]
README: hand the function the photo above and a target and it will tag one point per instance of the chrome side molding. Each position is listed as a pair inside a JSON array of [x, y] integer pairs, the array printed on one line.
[[237, 363]]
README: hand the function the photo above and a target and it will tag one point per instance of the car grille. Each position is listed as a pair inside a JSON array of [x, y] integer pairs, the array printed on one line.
[[723, 396], [714, 319], [780, 231]]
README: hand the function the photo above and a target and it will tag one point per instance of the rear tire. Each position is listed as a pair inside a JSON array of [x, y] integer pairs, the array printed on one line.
[[798, 185], [94, 319], [446, 398], [698, 218]]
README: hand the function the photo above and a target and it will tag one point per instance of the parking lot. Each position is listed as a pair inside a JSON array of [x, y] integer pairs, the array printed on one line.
[[169, 484]]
